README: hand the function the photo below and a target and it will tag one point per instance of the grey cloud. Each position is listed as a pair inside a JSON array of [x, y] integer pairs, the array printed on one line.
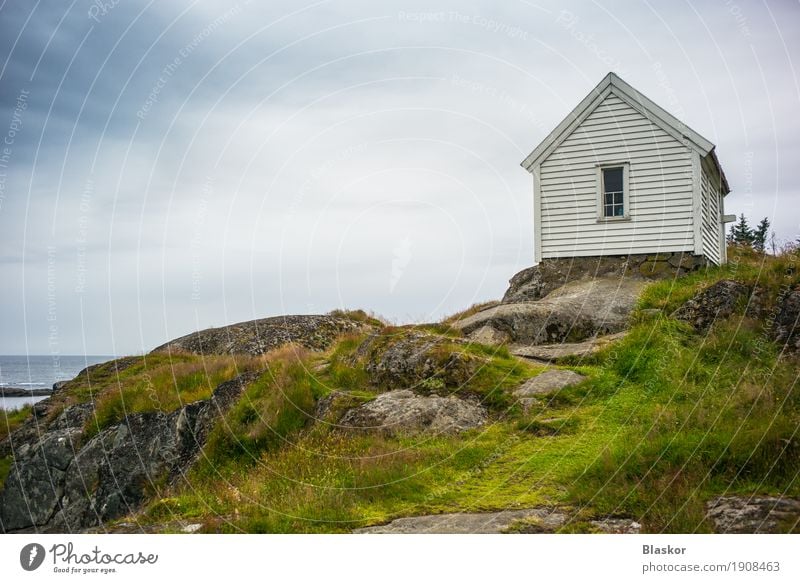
[[290, 183]]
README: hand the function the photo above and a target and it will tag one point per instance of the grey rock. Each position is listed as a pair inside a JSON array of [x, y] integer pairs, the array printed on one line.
[[718, 301], [548, 382], [31, 494], [488, 335], [19, 392], [786, 327], [572, 313], [536, 282], [753, 515], [57, 448], [418, 361], [59, 385], [56, 486], [403, 412], [548, 519], [617, 526], [315, 332], [555, 352], [330, 408], [34, 486], [73, 416]]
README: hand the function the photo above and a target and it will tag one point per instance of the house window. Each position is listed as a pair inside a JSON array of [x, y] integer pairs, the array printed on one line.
[[612, 192]]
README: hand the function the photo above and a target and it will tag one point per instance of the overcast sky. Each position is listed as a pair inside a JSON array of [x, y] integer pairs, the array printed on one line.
[[176, 165]]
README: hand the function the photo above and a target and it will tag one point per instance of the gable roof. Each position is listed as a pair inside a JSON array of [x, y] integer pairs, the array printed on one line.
[[612, 84]]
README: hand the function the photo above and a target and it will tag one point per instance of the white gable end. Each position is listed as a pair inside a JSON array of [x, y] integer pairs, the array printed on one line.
[[660, 181], [620, 175]]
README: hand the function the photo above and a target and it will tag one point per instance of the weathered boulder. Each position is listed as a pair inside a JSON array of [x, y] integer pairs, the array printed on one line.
[[35, 484], [549, 519], [60, 484], [573, 312], [540, 520], [536, 282], [404, 412], [74, 416], [718, 301], [417, 360], [315, 332], [488, 335], [546, 383], [616, 525], [556, 352], [786, 327], [754, 514], [17, 392]]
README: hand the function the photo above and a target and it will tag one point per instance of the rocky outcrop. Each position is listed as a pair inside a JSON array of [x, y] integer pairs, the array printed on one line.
[[403, 412], [574, 312], [556, 352], [536, 282], [786, 326], [471, 522], [417, 360], [540, 520], [315, 332], [718, 301], [60, 483], [753, 515], [548, 382], [18, 392]]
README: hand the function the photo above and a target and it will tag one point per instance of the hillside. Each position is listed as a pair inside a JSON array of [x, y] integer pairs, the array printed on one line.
[[684, 420]]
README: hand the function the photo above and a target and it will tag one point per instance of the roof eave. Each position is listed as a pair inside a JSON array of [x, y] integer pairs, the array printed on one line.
[[725, 187]]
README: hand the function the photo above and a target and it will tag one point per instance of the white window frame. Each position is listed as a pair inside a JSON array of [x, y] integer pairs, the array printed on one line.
[[626, 192]]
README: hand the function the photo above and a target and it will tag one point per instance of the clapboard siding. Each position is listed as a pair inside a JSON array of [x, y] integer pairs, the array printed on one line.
[[710, 213], [660, 187]]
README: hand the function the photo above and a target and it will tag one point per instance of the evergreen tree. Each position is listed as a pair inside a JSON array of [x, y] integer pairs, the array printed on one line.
[[760, 235], [741, 233]]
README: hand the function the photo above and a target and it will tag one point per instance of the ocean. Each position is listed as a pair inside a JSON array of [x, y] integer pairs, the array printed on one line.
[[39, 371]]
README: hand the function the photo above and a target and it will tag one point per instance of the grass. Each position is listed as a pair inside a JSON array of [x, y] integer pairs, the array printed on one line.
[[360, 316], [471, 311], [772, 274], [5, 468], [444, 365], [667, 420], [718, 415], [279, 403], [11, 419], [149, 383]]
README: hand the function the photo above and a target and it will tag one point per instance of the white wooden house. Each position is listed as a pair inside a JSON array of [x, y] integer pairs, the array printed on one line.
[[621, 176]]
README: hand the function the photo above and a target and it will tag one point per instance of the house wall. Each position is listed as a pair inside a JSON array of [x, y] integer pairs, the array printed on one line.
[[712, 209], [710, 218], [660, 188]]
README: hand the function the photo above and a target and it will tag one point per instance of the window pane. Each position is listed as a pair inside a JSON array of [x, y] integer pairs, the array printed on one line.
[[612, 179], [617, 198], [609, 211], [618, 211], [609, 198]]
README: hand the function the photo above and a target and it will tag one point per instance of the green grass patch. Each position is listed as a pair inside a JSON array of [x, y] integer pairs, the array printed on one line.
[[667, 420], [771, 274], [156, 382], [470, 311], [718, 415], [279, 403], [359, 316], [5, 468], [11, 419]]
